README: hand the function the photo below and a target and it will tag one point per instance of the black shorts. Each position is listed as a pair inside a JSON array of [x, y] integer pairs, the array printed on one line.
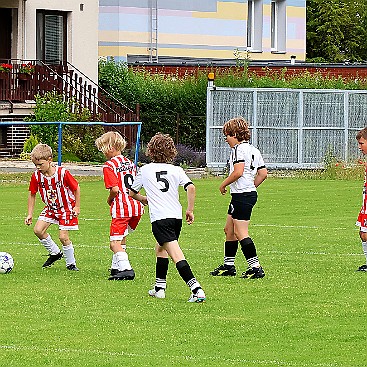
[[166, 230], [241, 205]]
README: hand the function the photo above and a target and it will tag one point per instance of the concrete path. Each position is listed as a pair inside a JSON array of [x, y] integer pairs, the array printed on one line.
[[15, 166]]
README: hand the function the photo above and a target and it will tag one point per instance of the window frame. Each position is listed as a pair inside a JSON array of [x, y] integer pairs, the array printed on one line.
[[41, 15]]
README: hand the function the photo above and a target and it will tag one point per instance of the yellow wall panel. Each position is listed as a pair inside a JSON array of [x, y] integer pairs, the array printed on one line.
[[235, 11]]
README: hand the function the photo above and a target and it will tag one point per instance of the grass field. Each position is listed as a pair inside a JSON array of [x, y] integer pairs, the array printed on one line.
[[309, 310]]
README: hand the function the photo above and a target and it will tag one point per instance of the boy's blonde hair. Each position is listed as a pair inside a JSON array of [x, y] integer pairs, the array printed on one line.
[[41, 151], [161, 148], [237, 127], [109, 140], [362, 134]]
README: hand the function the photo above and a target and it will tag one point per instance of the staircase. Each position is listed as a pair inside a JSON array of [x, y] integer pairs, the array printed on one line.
[[18, 91]]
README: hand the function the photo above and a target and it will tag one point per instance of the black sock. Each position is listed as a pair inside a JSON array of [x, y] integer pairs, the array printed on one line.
[[184, 270], [248, 248], [161, 269], [230, 251]]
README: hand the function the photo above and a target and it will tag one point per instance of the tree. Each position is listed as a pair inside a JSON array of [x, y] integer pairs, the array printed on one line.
[[336, 30]]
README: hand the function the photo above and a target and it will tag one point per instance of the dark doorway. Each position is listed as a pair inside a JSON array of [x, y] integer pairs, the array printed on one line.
[[5, 33]]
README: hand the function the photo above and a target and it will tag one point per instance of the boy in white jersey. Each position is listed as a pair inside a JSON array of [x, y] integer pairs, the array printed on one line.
[[161, 180], [362, 217], [246, 172], [118, 174], [60, 192]]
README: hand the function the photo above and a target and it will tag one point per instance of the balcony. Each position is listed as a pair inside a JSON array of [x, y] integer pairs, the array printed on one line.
[[18, 90]]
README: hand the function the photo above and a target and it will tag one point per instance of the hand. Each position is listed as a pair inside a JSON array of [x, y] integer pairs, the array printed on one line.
[[75, 211], [28, 220], [190, 217], [144, 200], [222, 189]]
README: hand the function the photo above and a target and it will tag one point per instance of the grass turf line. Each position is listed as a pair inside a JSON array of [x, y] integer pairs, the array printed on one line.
[[309, 310]]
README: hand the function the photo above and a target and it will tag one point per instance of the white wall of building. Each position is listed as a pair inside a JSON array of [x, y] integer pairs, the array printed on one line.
[[82, 34]]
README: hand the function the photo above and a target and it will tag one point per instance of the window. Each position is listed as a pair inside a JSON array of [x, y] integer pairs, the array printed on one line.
[[51, 36], [254, 25], [278, 25]]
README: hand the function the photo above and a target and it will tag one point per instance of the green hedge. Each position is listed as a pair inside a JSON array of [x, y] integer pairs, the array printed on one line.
[[177, 106]]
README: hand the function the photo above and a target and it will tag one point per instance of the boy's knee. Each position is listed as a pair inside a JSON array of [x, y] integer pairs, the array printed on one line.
[[363, 236], [64, 239]]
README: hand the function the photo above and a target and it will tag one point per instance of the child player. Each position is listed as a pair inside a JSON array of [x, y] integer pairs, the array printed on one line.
[[61, 194], [246, 172], [119, 173], [362, 217], [161, 180]]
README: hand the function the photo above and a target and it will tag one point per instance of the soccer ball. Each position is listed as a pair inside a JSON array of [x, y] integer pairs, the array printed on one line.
[[6, 263]]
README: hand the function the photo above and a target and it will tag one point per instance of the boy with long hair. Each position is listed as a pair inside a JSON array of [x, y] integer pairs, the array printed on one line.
[[246, 172], [161, 180]]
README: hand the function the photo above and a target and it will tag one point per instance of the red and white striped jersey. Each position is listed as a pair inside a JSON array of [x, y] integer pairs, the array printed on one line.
[[120, 171], [56, 191]]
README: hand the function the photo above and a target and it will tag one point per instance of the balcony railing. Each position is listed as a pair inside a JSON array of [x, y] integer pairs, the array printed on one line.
[[67, 80]]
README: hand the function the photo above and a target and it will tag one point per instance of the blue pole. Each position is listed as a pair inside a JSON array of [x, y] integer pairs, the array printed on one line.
[[137, 144], [59, 153]]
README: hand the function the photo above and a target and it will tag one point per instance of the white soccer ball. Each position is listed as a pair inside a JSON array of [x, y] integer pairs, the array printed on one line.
[[6, 263]]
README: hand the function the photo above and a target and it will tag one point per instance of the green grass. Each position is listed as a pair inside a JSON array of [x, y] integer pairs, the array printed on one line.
[[309, 310]]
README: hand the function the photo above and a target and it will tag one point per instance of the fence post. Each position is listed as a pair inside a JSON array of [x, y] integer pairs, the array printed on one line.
[[59, 153]]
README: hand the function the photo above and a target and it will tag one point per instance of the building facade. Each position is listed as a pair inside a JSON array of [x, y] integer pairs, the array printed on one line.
[[154, 30], [51, 31]]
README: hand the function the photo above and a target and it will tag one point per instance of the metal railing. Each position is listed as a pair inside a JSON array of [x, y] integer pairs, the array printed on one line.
[[61, 123]]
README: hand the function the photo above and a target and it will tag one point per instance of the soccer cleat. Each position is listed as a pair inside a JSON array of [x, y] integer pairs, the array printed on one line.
[[123, 275], [51, 259], [72, 267], [157, 294], [114, 271], [253, 273], [362, 268], [198, 297], [224, 271]]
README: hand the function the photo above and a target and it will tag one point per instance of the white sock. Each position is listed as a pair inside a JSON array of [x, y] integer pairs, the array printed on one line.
[[364, 248], [69, 254], [123, 261], [50, 245], [114, 264]]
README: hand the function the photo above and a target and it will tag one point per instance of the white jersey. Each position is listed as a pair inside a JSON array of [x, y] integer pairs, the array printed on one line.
[[161, 182], [249, 155]]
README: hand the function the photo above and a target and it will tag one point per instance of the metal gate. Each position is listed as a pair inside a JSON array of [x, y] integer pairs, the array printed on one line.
[[293, 128]]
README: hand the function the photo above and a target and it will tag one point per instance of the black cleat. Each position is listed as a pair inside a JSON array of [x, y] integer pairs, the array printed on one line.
[[224, 271], [362, 268], [123, 275], [253, 273], [72, 267], [114, 271], [51, 259]]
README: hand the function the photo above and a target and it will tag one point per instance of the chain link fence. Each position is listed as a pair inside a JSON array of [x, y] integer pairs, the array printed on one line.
[[293, 128]]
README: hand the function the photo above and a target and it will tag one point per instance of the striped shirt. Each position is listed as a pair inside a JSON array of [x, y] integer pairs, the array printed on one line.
[[56, 191], [120, 171]]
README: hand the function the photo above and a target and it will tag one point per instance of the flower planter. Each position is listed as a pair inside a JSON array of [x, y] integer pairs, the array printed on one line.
[[4, 75], [24, 76]]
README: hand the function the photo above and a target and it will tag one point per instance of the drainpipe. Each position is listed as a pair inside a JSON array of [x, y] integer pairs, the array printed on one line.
[[24, 31]]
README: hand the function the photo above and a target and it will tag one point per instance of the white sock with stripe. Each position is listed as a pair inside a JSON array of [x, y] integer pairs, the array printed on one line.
[[50, 245], [69, 254]]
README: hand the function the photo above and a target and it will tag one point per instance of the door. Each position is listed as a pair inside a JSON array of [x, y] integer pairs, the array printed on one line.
[[5, 34]]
